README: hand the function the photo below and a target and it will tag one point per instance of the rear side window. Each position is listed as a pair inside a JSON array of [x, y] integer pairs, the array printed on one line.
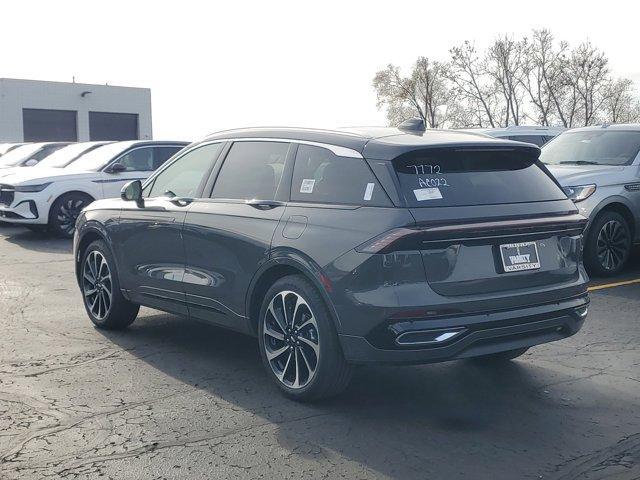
[[251, 170], [448, 177], [321, 176], [162, 154]]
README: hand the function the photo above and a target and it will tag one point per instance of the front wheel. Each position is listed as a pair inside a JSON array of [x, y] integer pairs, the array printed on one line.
[[298, 342], [106, 306], [608, 244], [65, 211]]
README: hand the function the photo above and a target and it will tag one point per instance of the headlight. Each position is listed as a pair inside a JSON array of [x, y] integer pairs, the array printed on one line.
[[579, 192], [32, 188]]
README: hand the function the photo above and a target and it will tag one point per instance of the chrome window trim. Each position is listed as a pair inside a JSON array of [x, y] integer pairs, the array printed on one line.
[[339, 151]]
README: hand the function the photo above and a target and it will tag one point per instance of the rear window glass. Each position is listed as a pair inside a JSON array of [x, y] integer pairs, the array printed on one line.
[[439, 177], [538, 140], [321, 176]]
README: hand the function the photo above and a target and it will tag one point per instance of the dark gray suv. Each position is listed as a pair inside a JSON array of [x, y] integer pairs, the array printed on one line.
[[338, 248]]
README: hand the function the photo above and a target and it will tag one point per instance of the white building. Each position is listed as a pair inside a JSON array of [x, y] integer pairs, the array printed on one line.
[[34, 111]]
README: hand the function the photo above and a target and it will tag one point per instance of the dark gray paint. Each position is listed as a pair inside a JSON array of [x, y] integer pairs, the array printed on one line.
[[221, 249]]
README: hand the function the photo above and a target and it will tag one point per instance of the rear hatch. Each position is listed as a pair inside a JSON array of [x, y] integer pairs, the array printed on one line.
[[489, 220]]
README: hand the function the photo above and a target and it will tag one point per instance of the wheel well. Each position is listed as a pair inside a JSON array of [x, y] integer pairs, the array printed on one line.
[[262, 285], [623, 210], [67, 193]]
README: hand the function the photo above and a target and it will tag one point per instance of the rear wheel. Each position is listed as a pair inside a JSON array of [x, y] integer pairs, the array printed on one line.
[[298, 342], [608, 244], [65, 211], [106, 306]]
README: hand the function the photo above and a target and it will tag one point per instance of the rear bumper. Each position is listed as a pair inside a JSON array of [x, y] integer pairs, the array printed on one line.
[[475, 335]]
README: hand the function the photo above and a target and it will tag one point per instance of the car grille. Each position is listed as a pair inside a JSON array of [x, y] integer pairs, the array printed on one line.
[[6, 195]]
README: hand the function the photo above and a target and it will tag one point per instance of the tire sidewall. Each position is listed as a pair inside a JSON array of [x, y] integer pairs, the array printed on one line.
[[101, 247], [326, 333], [591, 257]]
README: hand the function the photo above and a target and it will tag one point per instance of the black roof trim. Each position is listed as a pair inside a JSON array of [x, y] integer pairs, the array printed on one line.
[[373, 142]]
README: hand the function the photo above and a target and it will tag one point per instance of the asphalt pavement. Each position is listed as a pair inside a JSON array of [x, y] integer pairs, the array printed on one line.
[[172, 398]]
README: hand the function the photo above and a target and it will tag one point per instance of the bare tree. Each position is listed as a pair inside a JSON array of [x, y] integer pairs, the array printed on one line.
[[620, 104], [424, 94], [587, 78], [542, 79], [506, 64], [467, 73], [532, 78]]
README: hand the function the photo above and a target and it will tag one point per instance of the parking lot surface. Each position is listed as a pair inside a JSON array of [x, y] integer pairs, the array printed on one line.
[[171, 398]]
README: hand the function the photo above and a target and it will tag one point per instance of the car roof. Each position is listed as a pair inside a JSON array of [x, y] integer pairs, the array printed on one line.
[[152, 142], [372, 142], [628, 127]]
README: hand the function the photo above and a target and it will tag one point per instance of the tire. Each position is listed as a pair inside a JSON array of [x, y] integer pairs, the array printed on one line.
[[608, 245], [65, 211], [501, 357], [300, 372], [106, 306]]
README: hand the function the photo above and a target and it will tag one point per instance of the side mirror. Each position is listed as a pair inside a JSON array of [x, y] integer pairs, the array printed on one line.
[[116, 168], [31, 162], [132, 191]]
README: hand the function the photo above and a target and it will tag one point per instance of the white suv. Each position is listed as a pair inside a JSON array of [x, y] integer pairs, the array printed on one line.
[[53, 197]]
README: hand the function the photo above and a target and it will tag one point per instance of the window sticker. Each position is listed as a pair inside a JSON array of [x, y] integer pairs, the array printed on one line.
[[307, 185], [427, 194], [368, 193]]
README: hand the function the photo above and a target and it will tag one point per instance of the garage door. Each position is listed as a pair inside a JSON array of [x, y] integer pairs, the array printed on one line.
[[113, 126], [42, 125]]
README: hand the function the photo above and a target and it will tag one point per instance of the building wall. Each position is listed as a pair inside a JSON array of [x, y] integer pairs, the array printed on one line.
[[18, 94]]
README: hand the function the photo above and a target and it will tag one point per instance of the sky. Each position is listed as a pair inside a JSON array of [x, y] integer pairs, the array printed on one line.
[[213, 65]]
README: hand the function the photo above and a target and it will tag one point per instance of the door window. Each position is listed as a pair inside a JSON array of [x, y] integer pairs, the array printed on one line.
[[138, 160], [321, 176], [183, 177], [252, 170]]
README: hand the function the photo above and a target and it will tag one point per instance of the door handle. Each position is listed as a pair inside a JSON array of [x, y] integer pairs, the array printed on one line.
[[181, 201], [264, 204]]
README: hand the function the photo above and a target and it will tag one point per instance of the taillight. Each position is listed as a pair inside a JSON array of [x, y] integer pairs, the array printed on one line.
[[387, 241]]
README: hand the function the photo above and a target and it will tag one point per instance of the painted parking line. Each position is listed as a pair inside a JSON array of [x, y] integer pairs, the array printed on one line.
[[613, 284]]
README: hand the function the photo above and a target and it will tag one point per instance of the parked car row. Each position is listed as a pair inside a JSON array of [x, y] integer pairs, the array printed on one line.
[[338, 248], [49, 191]]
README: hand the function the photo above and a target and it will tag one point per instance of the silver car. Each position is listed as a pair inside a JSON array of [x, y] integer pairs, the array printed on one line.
[[599, 169]]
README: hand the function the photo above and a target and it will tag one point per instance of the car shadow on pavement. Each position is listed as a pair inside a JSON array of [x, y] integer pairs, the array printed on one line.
[[42, 242], [403, 422]]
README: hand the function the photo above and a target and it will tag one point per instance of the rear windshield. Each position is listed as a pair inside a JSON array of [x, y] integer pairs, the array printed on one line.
[[593, 147], [448, 177]]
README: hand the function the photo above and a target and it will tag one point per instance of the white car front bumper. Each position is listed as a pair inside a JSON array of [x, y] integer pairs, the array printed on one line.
[[19, 207]]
